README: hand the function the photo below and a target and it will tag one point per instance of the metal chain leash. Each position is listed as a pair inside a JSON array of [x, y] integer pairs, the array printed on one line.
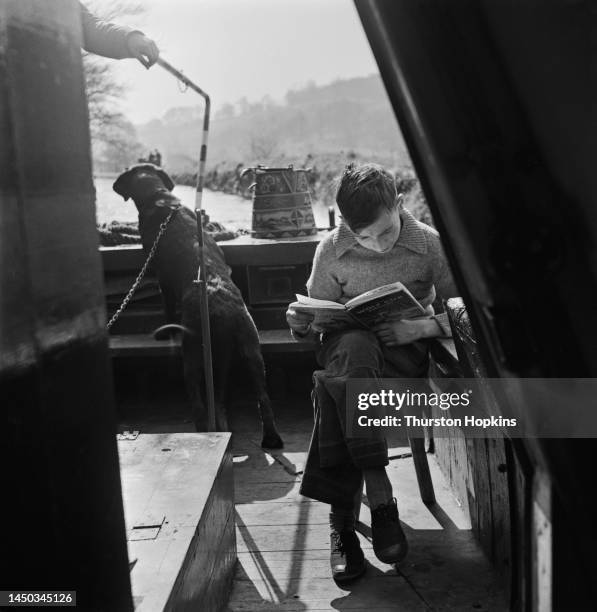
[[141, 274]]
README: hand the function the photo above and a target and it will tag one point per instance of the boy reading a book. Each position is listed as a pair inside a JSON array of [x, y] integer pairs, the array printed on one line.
[[378, 242]]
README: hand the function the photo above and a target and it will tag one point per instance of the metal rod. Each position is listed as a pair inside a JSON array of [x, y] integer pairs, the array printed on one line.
[[201, 280]]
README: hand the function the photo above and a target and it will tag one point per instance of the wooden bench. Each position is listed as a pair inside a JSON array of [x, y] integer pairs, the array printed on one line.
[[178, 494], [268, 273], [144, 345]]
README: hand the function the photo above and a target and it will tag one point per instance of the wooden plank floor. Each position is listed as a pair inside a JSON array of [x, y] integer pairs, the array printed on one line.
[[283, 538]]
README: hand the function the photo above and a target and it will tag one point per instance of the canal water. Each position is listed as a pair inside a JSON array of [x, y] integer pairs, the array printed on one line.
[[231, 210]]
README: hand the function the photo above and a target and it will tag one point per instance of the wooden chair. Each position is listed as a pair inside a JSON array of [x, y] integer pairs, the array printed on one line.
[[417, 447], [442, 351]]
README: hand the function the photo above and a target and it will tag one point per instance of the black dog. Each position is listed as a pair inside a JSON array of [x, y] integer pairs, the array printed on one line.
[[233, 332]]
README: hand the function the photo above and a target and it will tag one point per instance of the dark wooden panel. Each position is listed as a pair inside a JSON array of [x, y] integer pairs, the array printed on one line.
[[220, 585], [144, 345], [208, 567], [519, 526], [479, 472], [269, 317], [122, 258], [261, 252], [242, 251], [62, 512], [500, 506], [276, 284]]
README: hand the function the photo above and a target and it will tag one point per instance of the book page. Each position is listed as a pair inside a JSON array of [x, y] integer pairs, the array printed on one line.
[[326, 318], [315, 303]]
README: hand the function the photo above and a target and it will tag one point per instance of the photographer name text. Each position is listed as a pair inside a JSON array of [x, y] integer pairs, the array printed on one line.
[[390, 399]]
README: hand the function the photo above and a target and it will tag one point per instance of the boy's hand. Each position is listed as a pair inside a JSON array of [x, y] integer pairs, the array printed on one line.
[[405, 331], [300, 322]]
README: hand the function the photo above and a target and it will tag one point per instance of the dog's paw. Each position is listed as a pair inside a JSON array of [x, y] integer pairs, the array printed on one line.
[[272, 441]]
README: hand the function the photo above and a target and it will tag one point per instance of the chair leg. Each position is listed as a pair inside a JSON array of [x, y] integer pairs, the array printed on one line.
[[417, 446], [358, 499]]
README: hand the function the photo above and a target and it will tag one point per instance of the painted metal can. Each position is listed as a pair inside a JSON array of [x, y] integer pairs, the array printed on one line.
[[282, 206]]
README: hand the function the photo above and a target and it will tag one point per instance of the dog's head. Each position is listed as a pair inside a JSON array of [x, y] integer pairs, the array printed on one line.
[[141, 182]]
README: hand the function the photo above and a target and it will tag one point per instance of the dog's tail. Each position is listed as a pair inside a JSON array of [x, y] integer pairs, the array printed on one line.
[[164, 329]]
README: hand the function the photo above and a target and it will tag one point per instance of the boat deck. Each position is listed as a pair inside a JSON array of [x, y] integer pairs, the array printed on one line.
[[283, 538]]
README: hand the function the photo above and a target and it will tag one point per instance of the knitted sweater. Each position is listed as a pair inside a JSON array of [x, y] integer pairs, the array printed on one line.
[[343, 269]]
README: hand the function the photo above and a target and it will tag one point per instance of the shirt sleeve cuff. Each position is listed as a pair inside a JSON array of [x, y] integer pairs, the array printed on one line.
[[444, 324], [310, 336], [297, 336]]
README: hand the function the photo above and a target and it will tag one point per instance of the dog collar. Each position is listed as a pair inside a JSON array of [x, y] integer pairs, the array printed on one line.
[[167, 203]]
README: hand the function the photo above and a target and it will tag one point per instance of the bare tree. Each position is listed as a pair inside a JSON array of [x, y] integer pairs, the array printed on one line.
[[113, 10], [103, 94], [119, 146], [263, 145], [110, 130]]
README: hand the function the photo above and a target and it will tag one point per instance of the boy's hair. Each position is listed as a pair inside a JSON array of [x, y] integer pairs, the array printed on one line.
[[364, 192]]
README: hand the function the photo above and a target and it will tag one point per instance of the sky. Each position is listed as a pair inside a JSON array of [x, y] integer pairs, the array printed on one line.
[[243, 48]]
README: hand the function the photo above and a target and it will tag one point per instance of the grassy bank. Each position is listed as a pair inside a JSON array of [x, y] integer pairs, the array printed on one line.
[[325, 169]]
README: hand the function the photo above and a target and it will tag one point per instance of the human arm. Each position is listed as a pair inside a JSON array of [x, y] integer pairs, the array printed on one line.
[[300, 325], [405, 331], [115, 41], [322, 284], [396, 333]]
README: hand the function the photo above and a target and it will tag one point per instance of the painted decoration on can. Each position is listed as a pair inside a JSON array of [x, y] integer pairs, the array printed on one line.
[[282, 205]]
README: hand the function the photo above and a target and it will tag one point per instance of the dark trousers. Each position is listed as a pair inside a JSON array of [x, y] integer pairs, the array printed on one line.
[[333, 471]]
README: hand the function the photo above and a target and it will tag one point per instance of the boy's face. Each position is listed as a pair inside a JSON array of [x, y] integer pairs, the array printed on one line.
[[382, 234]]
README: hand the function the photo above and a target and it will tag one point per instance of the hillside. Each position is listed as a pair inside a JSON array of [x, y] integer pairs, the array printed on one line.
[[345, 116]]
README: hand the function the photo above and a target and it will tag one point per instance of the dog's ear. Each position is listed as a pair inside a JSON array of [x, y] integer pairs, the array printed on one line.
[[122, 185], [165, 178]]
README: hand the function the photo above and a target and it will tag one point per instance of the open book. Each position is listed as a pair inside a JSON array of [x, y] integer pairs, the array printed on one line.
[[386, 303]]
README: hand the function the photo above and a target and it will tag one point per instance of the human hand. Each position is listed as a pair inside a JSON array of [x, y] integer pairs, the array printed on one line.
[[405, 331], [143, 48], [299, 321]]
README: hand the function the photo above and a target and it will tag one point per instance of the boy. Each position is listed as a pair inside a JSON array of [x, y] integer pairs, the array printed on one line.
[[378, 242]]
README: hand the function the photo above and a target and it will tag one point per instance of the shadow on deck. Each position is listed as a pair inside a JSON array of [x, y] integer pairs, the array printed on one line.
[[283, 538]]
